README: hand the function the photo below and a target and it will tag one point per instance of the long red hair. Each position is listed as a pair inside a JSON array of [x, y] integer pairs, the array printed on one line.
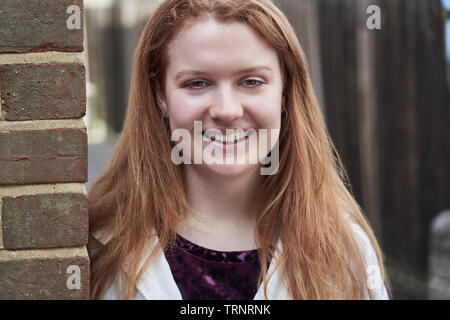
[[307, 206]]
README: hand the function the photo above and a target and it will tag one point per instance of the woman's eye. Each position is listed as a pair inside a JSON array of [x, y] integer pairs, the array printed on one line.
[[200, 84], [253, 82], [197, 84]]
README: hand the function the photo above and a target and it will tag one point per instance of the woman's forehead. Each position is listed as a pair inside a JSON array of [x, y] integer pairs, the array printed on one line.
[[207, 42]]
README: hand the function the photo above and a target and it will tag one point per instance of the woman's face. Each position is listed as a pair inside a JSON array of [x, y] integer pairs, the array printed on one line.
[[228, 77]]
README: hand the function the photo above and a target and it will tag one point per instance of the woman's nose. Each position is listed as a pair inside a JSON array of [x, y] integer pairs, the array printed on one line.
[[226, 106]]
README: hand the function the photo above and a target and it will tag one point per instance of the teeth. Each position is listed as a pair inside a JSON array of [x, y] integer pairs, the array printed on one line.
[[238, 135]]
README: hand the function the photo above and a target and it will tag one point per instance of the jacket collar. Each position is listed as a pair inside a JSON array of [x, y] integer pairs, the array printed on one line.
[[157, 282]]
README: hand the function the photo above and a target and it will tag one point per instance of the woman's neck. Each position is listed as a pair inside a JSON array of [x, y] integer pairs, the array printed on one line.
[[226, 206]]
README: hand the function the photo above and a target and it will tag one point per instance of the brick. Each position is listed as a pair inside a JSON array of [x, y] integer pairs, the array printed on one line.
[[37, 26], [44, 221], [43, 279], [43, 91], [43, 156]]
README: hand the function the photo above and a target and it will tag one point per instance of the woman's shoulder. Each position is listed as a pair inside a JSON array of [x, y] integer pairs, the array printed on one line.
[[111, 292], [155, 274], [374, 278], [363, 240]]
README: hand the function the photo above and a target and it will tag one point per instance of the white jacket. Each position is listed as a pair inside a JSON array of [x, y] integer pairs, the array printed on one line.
[[157, 282]]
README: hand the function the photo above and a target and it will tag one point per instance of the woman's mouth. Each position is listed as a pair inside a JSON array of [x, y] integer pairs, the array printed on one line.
[[234, 136]]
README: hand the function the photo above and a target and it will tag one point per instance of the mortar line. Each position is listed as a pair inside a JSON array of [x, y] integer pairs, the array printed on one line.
[[44, 253], [41, 57], [42, 124], [37, 189]]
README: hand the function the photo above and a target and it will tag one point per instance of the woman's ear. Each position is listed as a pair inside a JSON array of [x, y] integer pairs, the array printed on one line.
[[161, 100]]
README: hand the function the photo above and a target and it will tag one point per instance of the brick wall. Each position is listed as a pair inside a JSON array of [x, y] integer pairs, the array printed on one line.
[[43, 151]]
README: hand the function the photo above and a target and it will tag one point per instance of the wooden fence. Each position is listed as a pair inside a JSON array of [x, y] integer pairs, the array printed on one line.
[[387, 104]]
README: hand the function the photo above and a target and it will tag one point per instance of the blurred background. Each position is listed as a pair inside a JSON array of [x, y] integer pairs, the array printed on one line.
[[385, 96]]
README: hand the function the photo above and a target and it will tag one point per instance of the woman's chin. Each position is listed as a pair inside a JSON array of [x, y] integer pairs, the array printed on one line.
[[231, 170]]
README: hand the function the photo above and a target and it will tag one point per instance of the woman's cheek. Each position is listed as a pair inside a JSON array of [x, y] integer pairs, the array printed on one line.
[[182, 114]]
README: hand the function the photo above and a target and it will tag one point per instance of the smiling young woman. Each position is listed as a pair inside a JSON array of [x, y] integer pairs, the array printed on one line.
[[222, 230]]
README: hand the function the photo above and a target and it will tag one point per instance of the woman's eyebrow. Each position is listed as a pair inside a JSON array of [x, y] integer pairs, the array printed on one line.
[[204, 73]]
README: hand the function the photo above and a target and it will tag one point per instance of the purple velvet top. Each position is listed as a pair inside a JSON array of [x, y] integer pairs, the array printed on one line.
[[202, 273]]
